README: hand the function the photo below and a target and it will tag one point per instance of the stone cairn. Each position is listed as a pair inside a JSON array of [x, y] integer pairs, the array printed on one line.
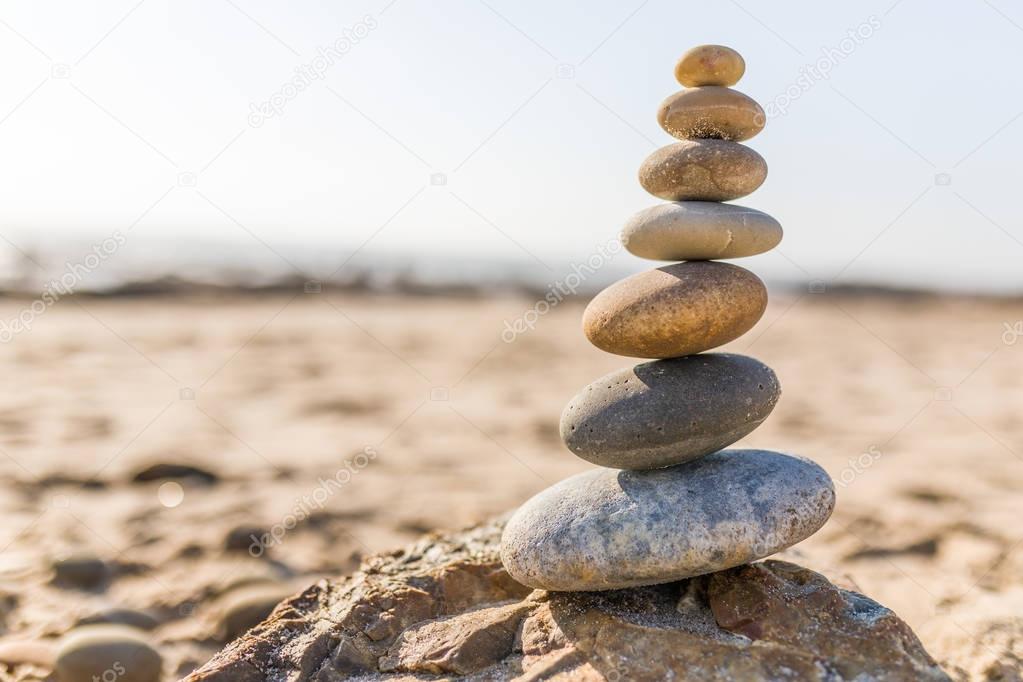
[[668, 502]]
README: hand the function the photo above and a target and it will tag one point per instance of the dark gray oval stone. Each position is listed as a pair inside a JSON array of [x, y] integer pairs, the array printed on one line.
[[606, 529], [662, 413]]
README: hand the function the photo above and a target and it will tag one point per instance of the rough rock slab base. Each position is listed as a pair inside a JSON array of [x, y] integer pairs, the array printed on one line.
[[445, 608]]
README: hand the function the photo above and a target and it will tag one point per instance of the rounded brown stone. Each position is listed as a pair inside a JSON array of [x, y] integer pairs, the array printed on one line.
[[710, 65], [702, 170], [676, 310], [711, 112]]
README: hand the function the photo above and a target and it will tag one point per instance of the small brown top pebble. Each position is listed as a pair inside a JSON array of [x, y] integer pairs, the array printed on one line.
[[710, 65]]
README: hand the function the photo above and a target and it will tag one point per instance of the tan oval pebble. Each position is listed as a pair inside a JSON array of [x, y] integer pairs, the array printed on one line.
[[676, 310], [246, 608], [27, 652], [700, 230], [710, 65], [107, 652], [702, 170], [711, 112]]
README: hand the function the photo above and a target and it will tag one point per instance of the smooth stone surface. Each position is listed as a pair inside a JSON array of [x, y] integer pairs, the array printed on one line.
[[606, 529], [675, 310], [245, 538], [248, 607], [711, 112], [710, 65], [702, 170], [107, 652], [82, 571], [700, 230], [662, 413], [140, 620], [27, 652]]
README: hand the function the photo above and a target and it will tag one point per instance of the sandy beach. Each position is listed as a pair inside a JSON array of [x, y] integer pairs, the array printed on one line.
[[167, 435]]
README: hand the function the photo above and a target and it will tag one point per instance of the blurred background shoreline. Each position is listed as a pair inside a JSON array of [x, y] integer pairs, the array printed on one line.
[[168, 267]]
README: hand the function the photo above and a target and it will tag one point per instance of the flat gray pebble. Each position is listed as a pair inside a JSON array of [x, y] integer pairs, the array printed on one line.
[[606, 529]]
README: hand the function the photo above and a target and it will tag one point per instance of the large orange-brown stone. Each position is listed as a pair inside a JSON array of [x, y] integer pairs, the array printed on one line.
[[675, 310], [703, 170]]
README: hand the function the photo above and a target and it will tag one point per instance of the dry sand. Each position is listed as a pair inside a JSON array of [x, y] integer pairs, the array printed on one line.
[[911, 403]]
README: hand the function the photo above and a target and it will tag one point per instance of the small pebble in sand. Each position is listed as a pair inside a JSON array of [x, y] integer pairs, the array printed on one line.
[[247, 607], [28, 652], [107, 652], [243, 538], [166, 470], [81, 571], [142, 620]]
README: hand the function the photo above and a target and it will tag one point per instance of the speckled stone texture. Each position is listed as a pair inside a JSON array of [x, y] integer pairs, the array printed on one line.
[[444, 608], [711, 112], [662, 413], [700, 230], [607, 529], [675, 310], [710, 65], [702, 170]]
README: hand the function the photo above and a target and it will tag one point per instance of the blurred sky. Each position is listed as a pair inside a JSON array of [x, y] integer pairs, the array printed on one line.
[[900, 167]]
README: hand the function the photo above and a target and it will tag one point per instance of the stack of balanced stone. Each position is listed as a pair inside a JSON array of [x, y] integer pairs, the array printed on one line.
[[668, 502]]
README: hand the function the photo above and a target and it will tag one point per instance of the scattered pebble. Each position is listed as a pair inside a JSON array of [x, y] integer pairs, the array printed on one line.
[[107, 652], [141, 620], [246, 608], [28, 652], [162, 471], [83, 572], [242, 538]]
